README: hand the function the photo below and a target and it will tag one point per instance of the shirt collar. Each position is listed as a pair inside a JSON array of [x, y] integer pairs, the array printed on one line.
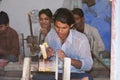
[[69, 38]]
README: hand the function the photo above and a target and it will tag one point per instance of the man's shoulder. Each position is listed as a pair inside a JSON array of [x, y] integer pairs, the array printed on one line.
[[12, 31], [52, 31], [90, 27], [77, 34]]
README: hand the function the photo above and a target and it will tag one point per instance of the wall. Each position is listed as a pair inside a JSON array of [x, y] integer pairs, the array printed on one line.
[[115, 42]]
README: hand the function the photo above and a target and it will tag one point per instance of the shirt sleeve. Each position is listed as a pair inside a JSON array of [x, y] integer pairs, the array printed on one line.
[[98, 41], [15, 44], [85, 56]]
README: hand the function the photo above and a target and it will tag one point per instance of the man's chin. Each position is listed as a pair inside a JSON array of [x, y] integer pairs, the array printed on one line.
[[61, 37], [44, 26]]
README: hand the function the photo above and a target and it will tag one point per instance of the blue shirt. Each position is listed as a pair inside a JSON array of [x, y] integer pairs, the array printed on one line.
[[76, 46]]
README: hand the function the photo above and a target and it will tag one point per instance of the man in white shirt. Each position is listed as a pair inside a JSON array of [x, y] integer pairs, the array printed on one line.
[[65, 42]]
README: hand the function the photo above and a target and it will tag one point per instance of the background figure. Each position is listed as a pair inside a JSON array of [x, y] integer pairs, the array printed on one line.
[[9, 42], [96, 43], [65, 42], [45, 21]]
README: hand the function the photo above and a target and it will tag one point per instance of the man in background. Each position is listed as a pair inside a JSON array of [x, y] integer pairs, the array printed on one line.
[[9, 42], [96, 43], [45, 20]]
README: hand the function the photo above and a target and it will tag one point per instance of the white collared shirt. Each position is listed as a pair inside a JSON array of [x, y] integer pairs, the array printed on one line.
[[76, 46]]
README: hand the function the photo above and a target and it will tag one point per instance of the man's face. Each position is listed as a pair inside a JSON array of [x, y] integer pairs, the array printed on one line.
[[79, 21], [3, 28], [62, 29], [44, 21], [77, 18]]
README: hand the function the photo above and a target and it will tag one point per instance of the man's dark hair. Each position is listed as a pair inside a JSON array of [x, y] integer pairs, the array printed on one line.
[[46, 11], [4, 19], [64, 15], [78, 12]]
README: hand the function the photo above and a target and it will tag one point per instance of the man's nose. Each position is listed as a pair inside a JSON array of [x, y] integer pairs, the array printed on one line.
[[60, 30]]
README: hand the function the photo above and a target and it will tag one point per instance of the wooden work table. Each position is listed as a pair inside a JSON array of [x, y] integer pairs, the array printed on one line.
[[13, 71]]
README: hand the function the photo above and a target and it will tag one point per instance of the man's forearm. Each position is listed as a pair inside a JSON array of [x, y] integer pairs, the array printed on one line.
[[76, 63]]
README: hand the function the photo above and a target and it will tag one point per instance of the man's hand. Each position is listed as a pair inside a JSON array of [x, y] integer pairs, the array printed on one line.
[[50, 52], [61, 54]]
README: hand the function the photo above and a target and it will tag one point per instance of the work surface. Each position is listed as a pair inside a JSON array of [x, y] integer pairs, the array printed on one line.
[[13, 71]]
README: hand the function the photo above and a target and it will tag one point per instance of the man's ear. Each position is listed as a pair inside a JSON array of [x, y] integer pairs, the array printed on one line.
[[71, 26]]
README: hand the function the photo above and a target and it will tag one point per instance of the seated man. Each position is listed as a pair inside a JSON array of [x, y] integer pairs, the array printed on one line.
[[9, 42], [45, 20], [96, 43], [65, 42]]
